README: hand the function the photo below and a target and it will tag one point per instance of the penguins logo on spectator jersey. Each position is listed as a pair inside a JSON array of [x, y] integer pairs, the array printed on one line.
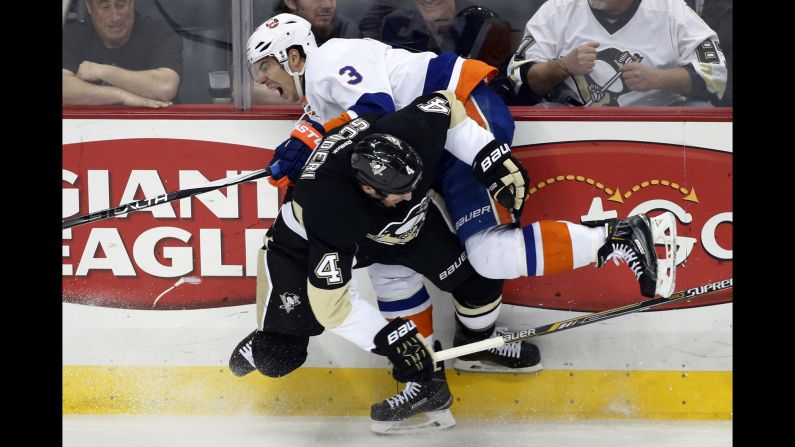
[[605, 84]]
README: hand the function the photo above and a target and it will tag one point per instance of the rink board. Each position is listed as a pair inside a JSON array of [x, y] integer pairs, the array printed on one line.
[[123, 353]]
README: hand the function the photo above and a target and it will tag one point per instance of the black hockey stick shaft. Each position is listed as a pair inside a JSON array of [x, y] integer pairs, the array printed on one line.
[[496, 342], [163, 198]]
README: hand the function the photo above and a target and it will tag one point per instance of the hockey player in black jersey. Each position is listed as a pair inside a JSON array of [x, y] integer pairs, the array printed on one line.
[[367, 197]]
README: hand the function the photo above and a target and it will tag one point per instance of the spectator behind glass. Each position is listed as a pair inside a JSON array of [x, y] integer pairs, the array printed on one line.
[[433, 25], [119, 57], [322, 14], [619, 53], [326, 24], [718, 15]]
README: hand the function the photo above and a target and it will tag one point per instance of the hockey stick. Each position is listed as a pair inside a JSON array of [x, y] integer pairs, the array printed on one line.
[[163, 198], [496, 342]]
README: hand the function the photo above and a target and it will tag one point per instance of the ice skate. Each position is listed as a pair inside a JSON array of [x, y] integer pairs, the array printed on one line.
[[633, 240], [420, 407], [517, 357]]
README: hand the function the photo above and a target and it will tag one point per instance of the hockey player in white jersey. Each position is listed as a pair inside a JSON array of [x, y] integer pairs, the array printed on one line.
[[346, 78], [619, 53]]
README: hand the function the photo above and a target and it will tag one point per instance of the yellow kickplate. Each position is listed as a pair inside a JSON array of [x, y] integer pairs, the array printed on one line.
[[207, 390]]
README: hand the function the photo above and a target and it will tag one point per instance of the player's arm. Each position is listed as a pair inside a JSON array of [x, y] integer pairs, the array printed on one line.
[[493, 164], [351, 82]]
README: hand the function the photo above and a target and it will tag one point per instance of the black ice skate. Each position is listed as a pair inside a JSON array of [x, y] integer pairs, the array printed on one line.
[[420, 407], [242, 360], [632, 240], [517, 357]]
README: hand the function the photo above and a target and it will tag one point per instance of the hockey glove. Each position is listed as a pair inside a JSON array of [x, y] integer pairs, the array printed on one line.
[[503, 175], [292, 154], [406, 349]]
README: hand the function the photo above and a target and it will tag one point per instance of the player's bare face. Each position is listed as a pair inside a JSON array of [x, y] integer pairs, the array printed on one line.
[[272, 74], [390, 200], [113, 20]]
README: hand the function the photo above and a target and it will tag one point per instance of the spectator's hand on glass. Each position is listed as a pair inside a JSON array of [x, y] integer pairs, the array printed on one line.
[[640, 77], [582, 60]]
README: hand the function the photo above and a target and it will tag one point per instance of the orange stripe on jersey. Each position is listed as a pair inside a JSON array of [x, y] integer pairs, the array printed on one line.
[[556, 241], [504, 215], [337, 121], [474, 113], [472, 72], [423, 320]]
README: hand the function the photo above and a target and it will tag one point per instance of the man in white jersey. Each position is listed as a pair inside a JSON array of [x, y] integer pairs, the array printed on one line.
[[346, 78], [619, 53]]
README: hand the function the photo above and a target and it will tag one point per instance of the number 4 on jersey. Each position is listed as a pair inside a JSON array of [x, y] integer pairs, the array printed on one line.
[[327, 268], [435, 105]]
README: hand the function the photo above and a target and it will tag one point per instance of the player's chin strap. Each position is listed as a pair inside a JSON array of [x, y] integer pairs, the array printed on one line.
[[496, 342]]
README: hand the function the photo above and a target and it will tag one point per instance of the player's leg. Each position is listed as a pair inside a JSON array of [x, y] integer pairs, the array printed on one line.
[[400, 293], [419, 407], [477, 303], [285, 320]]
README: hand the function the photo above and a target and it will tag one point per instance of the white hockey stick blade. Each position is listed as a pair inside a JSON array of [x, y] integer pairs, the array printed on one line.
[[663, 230]]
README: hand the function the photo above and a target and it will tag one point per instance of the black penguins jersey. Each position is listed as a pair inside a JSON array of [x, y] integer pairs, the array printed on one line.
[[329, 221]]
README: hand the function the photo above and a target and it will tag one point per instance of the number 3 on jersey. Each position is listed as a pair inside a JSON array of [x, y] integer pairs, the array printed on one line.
[[351, 72], [327, 268]]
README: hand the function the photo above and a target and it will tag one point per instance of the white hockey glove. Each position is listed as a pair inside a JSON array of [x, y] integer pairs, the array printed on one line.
[[503, 175]]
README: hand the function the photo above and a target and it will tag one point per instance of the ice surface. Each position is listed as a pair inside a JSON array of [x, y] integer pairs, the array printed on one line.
[[244, 431]]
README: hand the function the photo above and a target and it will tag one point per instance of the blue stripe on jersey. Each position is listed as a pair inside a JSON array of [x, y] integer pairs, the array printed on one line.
[[496, 112], [437, 76], [530, 249], [408, 303], [378, 103]]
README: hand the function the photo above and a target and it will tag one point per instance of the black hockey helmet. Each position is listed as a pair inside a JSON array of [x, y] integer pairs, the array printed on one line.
[[387, 164]]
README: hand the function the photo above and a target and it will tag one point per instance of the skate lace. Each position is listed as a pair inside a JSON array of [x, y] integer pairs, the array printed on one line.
[[622, 252], [509, 350], [411, 390]]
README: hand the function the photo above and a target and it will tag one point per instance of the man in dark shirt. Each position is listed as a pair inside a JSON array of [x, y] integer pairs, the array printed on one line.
[[322, 14], [120, 57]]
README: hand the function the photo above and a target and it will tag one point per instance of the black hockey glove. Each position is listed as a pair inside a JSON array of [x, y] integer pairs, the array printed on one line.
[[403, 345], [503, 175]]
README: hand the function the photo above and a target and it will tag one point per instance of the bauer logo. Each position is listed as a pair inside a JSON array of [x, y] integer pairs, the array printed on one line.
[[137, 260], [597, 180]]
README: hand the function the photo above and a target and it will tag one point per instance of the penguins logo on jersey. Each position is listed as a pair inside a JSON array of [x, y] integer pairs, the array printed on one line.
[[289, 301], [605, 84], [398, 233]]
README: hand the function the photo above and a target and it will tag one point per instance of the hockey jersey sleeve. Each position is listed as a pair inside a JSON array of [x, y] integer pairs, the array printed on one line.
[[342, 86], [539, 44], [700, 53]]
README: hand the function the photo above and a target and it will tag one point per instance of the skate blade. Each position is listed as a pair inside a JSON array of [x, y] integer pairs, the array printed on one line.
[[478, 366], [420, 423], [663, 228]]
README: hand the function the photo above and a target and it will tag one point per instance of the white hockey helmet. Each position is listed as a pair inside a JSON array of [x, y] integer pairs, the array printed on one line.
[[276, 36]]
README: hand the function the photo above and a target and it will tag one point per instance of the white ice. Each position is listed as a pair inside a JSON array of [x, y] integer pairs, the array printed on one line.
[[244, 431]]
